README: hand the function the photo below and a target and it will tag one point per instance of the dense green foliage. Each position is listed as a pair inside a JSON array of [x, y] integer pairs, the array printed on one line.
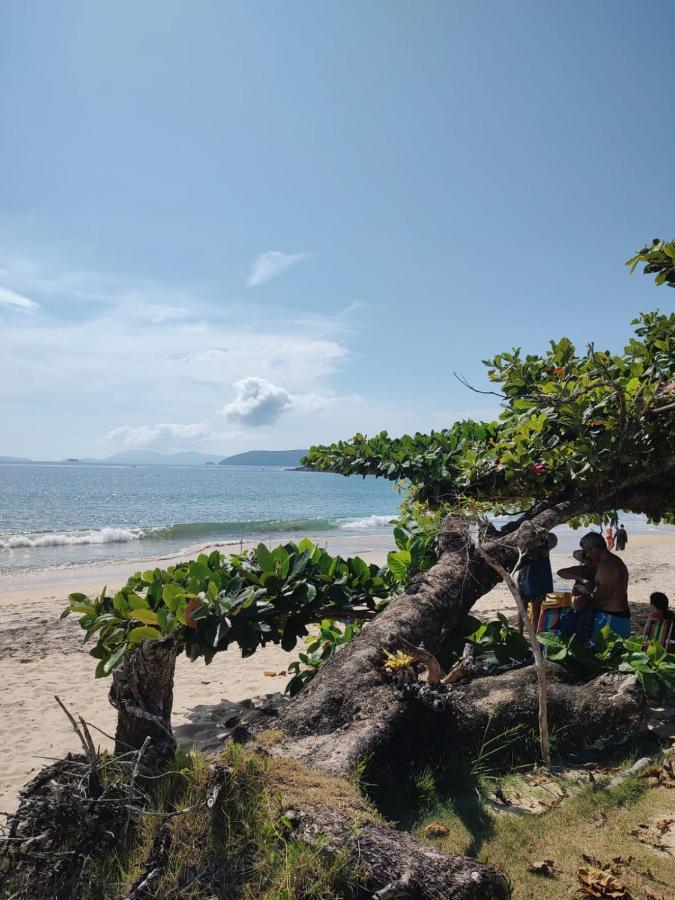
[[647, 660], [250, 599], [573, 424], [414, 553], [658, 259]]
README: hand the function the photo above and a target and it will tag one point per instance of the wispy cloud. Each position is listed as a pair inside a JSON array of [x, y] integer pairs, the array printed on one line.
[[164, 434], [271, 264], [16, 301]]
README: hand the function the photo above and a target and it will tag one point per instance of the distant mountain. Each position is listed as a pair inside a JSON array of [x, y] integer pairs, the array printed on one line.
[[152, 458], [284, 458], [289, 458]]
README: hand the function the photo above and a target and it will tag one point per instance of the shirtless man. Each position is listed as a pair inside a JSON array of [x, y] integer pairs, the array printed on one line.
[[610, 595]]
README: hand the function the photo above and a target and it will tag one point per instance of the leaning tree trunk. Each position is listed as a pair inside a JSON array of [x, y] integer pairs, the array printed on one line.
[[142, 693], [350, 710]]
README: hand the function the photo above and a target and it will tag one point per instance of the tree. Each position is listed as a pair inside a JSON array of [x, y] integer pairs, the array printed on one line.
[[580, 435]]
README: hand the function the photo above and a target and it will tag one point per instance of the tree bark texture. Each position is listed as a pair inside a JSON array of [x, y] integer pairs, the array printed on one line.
[[394, 864], [142, 693]]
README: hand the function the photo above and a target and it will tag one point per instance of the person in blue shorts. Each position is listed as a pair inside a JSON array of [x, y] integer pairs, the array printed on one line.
[[610, 593]]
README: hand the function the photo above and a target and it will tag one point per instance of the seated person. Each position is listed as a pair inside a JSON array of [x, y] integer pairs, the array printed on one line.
[[584, 580], [610, 594], [658, 613]]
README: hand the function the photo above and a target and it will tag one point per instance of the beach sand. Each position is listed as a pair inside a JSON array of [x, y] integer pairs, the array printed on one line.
[[41, 656]]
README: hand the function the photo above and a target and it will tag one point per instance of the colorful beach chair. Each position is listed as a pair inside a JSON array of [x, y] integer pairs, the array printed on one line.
[[661, 631]]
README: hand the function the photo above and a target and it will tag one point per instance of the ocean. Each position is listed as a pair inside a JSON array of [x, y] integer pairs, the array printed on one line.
[[62, 515], [59, 515]]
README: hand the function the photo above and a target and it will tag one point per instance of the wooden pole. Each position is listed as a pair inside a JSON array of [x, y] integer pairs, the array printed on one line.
[[536, 650]]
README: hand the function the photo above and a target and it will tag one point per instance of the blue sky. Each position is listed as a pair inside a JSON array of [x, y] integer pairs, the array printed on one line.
[[227, 225]]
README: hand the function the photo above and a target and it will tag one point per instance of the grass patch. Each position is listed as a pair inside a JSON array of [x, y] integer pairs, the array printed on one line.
[[595, 821], [240, 849]]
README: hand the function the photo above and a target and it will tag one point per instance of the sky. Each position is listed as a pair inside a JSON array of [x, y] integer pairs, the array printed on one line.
[[236, 225]]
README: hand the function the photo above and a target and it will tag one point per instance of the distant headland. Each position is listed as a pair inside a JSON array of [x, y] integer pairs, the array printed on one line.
[[282, 458]]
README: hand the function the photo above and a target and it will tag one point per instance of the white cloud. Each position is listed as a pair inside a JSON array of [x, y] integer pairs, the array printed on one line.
[[164, 434], [16, 301], [271, 264], [257, 402]]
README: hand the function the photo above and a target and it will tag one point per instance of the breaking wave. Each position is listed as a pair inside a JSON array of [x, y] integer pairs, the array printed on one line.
[[70, 538], [368, 522], [187, 532]]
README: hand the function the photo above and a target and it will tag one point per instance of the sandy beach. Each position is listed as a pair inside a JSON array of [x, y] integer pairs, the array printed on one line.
[[41, 656]]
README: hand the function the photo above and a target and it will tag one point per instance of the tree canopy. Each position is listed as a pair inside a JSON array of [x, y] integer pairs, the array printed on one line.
[[572, 425]]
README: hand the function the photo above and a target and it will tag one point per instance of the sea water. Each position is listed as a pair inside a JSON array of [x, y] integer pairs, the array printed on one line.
[[60, 515], [70, 514]]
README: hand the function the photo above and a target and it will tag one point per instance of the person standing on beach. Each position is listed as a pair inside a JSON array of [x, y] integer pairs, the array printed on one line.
[[609, 537], [535, 578], [621, 538]]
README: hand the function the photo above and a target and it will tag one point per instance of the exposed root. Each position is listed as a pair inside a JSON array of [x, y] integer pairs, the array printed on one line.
[[433, 667]]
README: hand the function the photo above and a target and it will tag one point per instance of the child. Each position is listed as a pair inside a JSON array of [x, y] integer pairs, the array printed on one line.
[[659, 621], [659, 607]]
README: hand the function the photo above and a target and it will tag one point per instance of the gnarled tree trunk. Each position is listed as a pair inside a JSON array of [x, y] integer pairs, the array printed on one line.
[[142, 693], [350, 710]]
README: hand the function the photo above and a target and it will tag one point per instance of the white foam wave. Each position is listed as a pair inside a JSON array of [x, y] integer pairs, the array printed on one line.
[[70, 538], [368, 522]]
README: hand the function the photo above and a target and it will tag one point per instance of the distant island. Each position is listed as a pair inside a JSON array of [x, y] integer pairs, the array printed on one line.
[[283, 458], [286, 458]]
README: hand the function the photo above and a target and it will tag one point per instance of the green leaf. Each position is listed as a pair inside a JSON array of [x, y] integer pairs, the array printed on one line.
[[147, 616], [143, 633], [171, 594], [137, 602], [399, 563], [199, 571], [110, 663], [265, 558]]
